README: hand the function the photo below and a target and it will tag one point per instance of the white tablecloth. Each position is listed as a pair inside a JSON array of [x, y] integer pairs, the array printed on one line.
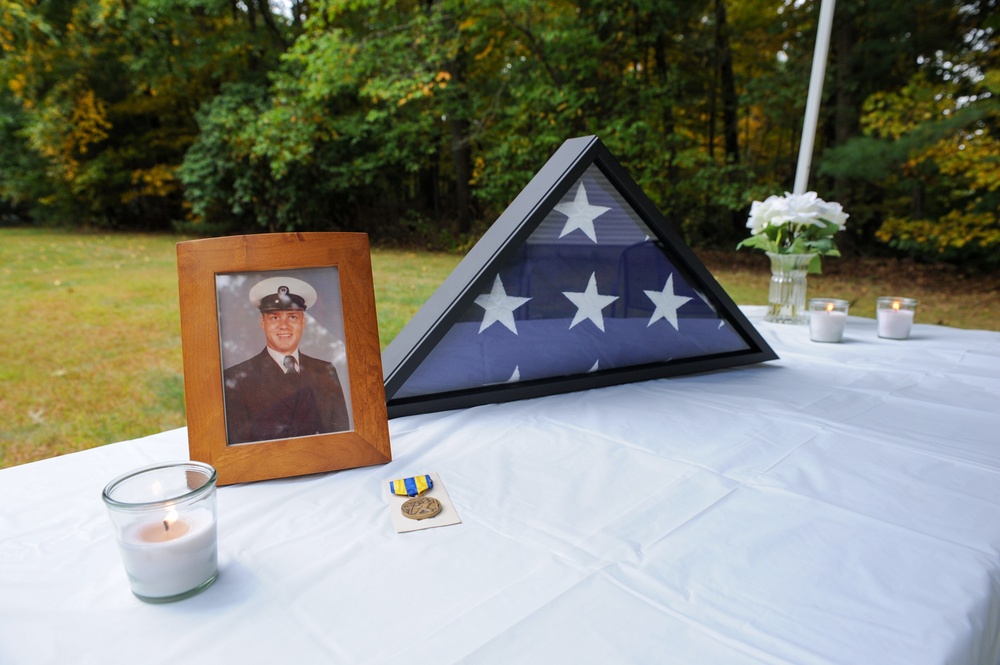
[[840, 505]]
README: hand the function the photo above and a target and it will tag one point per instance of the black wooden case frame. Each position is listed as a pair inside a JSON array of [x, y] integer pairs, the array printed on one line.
[[514, 255]]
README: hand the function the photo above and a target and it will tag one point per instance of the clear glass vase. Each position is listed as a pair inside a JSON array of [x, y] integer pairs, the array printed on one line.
[[786, 298]]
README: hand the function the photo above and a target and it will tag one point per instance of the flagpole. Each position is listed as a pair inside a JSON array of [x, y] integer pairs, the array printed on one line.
[[815, 95]]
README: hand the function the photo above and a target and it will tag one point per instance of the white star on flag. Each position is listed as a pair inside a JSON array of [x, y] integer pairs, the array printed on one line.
[[667, 303], [590, 303], [581, 214], [499, 307]]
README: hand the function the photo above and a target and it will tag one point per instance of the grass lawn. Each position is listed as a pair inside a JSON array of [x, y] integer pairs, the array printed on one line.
[[93, 353]]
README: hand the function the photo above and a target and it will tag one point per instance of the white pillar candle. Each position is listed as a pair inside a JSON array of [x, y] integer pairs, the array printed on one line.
[[165, 525], [895, 316], [827, 319], [170, 557]]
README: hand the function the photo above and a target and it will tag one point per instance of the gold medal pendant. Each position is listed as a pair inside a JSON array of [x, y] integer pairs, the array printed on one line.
[[421, 507]]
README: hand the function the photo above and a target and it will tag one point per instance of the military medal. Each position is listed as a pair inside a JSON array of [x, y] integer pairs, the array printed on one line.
[[418, 507]]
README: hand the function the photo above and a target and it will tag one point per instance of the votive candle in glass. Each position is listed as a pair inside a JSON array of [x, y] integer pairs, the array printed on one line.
[[895, 316], [164, 518], [827, 319]]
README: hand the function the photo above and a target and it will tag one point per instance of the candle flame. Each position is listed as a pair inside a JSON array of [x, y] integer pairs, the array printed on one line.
[[829, 306], [171, 517], [895, 304]]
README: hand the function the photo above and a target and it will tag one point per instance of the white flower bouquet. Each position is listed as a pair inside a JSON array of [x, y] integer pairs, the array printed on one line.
[[795, 224]]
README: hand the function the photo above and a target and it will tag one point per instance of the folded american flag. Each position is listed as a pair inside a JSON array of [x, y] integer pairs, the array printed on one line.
[[590, 289]]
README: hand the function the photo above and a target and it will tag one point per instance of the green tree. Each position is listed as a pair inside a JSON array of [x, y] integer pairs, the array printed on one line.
[[441, 109], [925, 159], [100, 98]]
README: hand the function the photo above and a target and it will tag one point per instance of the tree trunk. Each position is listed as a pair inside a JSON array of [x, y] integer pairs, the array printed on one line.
[[846, 106], [669, 127], [727, 81], [461, 149], [462, 156], [730, 103]]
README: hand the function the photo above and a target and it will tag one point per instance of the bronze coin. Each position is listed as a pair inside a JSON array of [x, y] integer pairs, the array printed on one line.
[[421, 507]]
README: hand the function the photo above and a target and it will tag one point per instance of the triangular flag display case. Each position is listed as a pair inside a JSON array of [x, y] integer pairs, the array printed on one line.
[[580, 283]]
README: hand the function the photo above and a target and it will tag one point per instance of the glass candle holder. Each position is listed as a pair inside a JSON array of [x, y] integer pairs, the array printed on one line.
[[827, 319], [895, 316], [164, 518]]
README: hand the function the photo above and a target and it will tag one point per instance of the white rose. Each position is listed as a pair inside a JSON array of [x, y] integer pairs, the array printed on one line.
[[834, 213], [803, 209], [766, 213]]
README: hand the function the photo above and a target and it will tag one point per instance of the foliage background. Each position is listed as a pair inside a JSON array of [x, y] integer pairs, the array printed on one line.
[[419, 121]]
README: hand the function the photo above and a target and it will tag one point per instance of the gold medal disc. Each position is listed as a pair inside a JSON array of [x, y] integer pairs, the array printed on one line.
[[421, 507]]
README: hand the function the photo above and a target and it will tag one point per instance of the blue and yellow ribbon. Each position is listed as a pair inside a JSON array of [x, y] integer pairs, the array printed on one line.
[[413, 486]]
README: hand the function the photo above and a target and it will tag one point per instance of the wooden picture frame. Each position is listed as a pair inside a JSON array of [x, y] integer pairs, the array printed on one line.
[[218, 320]]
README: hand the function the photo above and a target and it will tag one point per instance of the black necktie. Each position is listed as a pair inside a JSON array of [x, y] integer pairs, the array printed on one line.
[[289, 363]]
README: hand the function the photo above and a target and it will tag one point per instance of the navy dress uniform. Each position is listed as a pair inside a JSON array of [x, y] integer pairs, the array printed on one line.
[[266, 401]]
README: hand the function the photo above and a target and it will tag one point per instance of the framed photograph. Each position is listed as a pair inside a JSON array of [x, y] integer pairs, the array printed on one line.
[[282, 367]]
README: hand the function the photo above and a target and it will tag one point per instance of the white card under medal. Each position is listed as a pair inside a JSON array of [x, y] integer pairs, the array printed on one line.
[[403, 524]]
